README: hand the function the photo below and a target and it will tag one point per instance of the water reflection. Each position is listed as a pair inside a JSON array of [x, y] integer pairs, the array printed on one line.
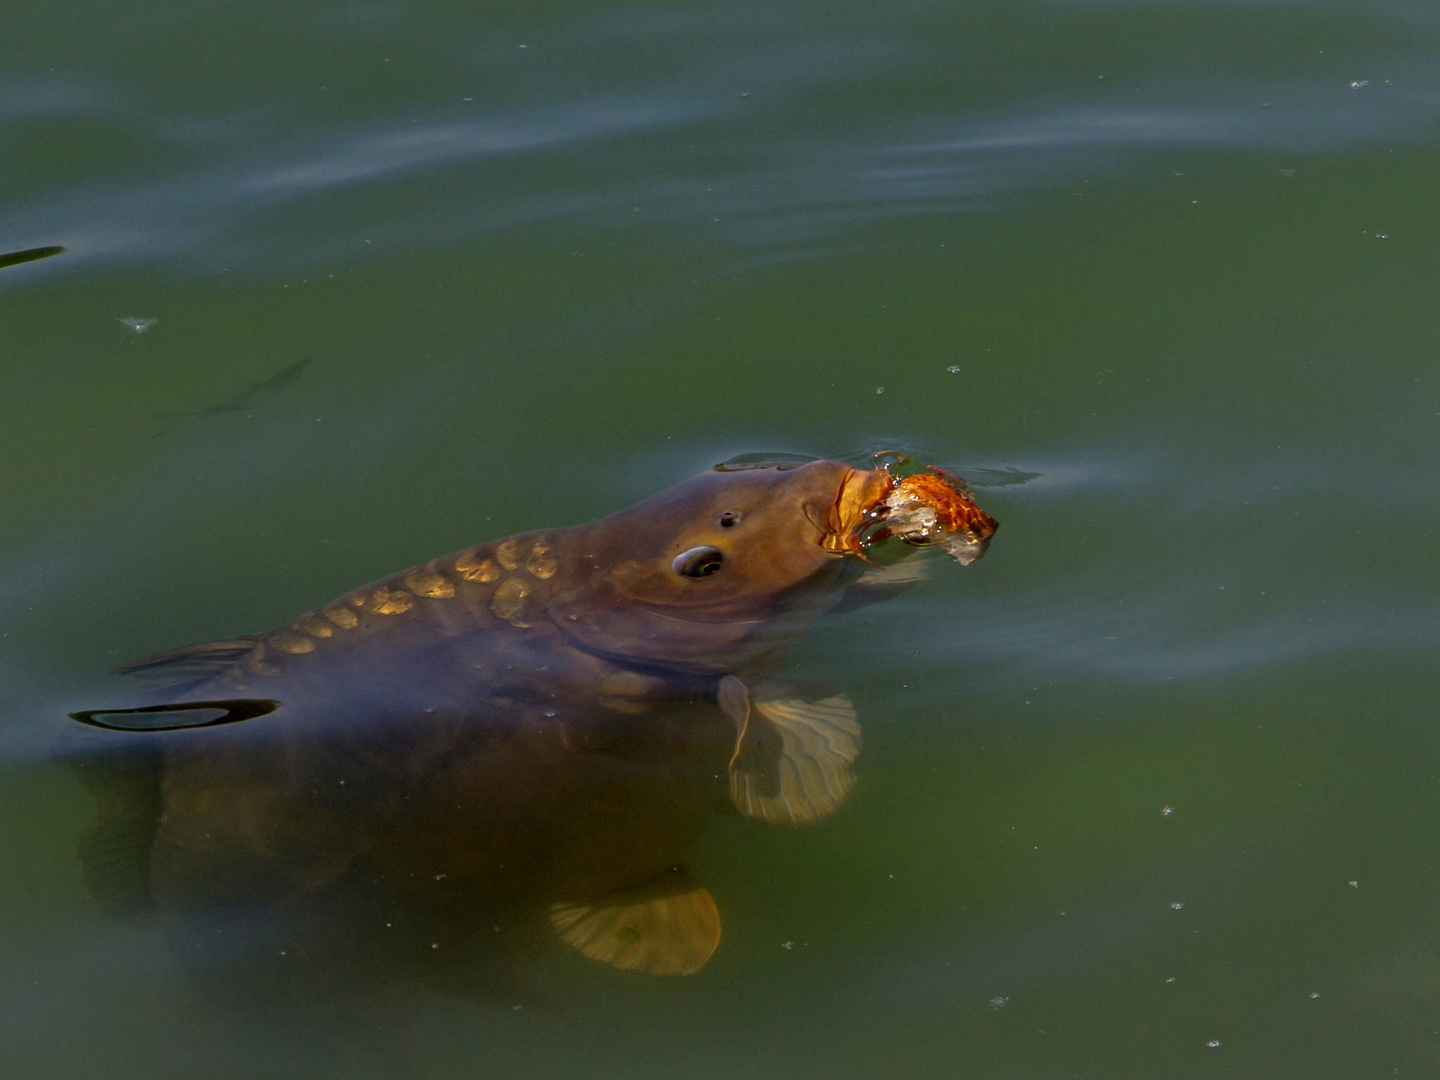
[[640, 139]]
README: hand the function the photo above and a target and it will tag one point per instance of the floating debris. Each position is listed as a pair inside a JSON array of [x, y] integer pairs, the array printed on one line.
[[137, 325], [17, 258]]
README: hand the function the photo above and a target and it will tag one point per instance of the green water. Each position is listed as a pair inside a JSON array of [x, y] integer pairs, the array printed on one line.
[[1159, 772]]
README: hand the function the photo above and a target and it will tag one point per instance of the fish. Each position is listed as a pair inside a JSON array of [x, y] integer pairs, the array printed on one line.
[[528, 734], [246, 397]]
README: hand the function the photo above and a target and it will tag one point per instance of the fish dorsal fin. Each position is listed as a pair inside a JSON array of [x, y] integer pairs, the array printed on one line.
[[793, 751], [189, 665], [669, 926]]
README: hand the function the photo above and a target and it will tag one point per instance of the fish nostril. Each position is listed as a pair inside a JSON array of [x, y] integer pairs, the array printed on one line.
[[698, 562], [729, 519]]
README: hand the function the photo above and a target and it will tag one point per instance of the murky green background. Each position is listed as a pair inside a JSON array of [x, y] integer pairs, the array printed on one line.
[[1161, 278]]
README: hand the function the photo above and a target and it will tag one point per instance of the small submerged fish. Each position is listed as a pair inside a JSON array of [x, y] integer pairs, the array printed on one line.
[[246, 397], [535, 727]]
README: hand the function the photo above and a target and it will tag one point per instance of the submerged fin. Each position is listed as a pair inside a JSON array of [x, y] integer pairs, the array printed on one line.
[[668, 927], [793, 752], [189, 665], [176, 717], [115, 850], [881, 583]]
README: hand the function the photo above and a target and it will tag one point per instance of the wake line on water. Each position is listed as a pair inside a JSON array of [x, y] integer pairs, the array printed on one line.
[[782, 192]]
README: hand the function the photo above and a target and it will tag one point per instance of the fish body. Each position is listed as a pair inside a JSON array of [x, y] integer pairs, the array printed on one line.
[[533, 728]]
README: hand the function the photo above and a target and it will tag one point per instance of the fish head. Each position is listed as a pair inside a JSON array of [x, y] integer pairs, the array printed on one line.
[[719, 569]]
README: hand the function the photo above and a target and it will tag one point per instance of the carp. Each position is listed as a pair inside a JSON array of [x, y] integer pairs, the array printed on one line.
[[528, 734]]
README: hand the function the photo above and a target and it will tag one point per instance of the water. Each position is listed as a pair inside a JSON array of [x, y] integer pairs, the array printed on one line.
[[1158, 277]]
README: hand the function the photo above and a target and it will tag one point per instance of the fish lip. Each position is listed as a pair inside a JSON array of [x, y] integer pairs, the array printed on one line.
[[852, 511]]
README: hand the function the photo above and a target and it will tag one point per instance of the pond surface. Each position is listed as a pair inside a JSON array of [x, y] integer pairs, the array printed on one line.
[[1149, 791]]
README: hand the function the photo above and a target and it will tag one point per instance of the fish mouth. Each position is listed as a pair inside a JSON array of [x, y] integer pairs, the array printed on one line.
[[928, 507]]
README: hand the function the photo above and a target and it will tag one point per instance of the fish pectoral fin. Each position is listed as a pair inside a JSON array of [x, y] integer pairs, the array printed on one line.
[[793, 756], [667, 927], [115, 850], [755, 764]]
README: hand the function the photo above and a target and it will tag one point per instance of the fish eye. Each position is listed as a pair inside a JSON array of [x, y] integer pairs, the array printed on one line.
[[698, 562], [729, 519]]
